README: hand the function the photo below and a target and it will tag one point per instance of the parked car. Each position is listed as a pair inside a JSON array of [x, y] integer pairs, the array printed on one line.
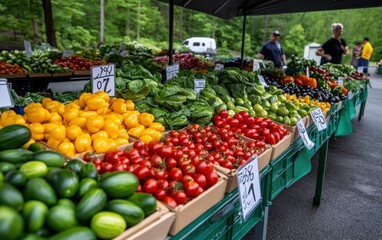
[[201, 45]]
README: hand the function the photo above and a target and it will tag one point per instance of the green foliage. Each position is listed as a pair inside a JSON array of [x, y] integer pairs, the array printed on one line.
[[295, 41]]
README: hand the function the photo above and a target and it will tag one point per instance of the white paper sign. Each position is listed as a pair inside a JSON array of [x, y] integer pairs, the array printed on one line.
[[248, 180], [172, 71], [103, 78], [262, 81], [360, 69], [199, 85], [318, 119], [350, 95], [219, 66], [340, 81], [28, 48], [256, 65], [67, 53], [304, 135], [5, 99], [307, 72]]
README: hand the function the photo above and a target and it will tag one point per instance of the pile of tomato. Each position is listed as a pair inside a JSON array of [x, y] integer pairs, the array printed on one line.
[[258, 128], [76, 63]]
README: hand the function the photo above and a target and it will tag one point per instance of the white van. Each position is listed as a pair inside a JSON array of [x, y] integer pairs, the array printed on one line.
[[201, 45]]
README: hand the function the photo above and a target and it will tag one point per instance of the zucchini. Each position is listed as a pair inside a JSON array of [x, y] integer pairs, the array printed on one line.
[[15, 155], [75, 165], [36, 147], [89, 170], [146, 201], [16, 178], [50, 158], [119, 184], [34, 213], [131, 212], [93, 202], [39, 189], [14, 136], [76, 233], [86, 185], [65, 182], [11, 196], [61, 218], [11, 223]]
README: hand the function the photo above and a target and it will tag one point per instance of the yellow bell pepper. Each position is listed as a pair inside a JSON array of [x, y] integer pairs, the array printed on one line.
[[101, 145], [45, 101], [121, 141], [58, 133], [55, 117], [16, 119], [130, 105], [7, 114], [31, 106], [146, 119], [111, 128], [136, 131], [95, 102], [67, 148], [103, 95], [72, 132], [83, 143], [146, 139], [103, 111], [101, 134], [71, 114], [83, 99], [115, 117], [38, 114], [154, 134], [87, 114], [72, 105], [123, 133], [157, 126], [95, 123], [119, 106], [112, 144], [37, 130], [131, 121], [79, 121]]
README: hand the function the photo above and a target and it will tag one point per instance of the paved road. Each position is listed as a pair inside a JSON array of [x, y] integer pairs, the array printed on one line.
[[351, 205]]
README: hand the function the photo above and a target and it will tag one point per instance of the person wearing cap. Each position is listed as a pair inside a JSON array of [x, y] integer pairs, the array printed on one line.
[[367, 51], [333, 49], [356, 54], [273, 51]]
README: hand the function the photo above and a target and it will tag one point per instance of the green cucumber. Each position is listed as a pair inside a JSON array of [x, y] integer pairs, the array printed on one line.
[[39, 189], [11, 223], [14, 156], [66, 202], [6, 167], [86, 185], [36, 147], [61, 218], [146, 201], [50, 158], [108, 225], [32, 236], [34, 213], [131, 212], [89, 170], [93, 202], [16, 178], [119, 184], [75, 165], [65, 182], [11, 196], [76, 233], [14, 136], [34, 169]]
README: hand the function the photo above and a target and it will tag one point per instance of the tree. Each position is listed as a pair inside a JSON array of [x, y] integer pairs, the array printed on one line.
[[295, 41]]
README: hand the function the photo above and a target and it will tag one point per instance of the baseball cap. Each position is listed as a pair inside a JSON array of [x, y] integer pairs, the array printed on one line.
[[276, 33], [366, 38]]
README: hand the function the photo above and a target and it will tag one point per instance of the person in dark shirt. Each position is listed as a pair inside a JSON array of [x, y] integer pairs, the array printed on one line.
[[333, 49], [273, 51]]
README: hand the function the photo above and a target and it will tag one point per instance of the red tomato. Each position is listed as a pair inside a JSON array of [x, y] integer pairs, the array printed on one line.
[[232, 122], [138, 144], [156, 161], [177, 154], [175, 174], [170, 163], [277, 136], [212, 178], [150, 186], [170, 201], [165, 151], [175, 141], [154, 146], [184, 161], [160, 194], [141, 172], [224, 113], [250, 120], [191, 189], [160, 174], [180, 197], [238, 117], [201, 180], [163, 184], [107, 167], [90, 156], [189, 169], [271, 139], [112, 157], [186, 179], [227, 164]]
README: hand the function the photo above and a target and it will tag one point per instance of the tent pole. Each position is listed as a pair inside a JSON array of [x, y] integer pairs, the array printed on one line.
[[243, 40], [171, 30]]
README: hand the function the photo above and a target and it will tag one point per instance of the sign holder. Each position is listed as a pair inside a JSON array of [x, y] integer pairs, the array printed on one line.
[[172, 71], [304, 135], [318, 119]]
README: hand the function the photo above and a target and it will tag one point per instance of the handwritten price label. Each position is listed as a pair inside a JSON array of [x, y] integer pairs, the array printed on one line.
[[304, 135], [248, 179], [199, 85], [172, 71], [219, 67], [28, 48], [340, 81], [103, 78], [318, 119], [262, 81]]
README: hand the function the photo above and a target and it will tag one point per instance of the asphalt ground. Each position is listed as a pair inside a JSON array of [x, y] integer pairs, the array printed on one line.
[[351, 204]]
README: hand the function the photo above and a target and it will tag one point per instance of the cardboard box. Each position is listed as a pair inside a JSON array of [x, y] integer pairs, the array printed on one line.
[[154, 227], [185, 214], [293, 129], [263, 161], [281, 146]]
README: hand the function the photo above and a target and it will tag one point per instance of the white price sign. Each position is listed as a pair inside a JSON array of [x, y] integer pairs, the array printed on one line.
[[28, 48], [248, 180], [340, 81], [219, 66], [67, 53], [256, 65], [350, 95], [199, 85], [318, 119], [307, 72], [304, 135], [262, 81], [172, 71], [103, 78], [6, 99]]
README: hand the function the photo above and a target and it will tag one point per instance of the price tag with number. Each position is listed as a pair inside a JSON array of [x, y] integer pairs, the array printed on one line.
[[199, 85], [67, 53], [5, 99], [340, 81], [350, 95], [318, 119], [262, 81], [28, 48], [304, 135], [248, 180], [256, 65], [103, 78], [219, 66], [172, 71]]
